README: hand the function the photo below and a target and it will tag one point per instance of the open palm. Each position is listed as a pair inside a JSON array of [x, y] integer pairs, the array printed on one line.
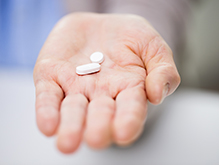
[[108, 106]]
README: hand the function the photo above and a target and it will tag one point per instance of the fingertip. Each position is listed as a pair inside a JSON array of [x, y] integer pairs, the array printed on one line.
[[154, 93], [157, 93], [160, 83], [97, 140], [47, 121], [127, 131], [68, 142]]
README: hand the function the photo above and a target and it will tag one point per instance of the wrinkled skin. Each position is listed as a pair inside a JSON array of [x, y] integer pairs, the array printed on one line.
[[108, 106]]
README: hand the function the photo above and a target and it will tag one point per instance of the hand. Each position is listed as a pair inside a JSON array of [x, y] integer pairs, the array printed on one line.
[[108, 106]]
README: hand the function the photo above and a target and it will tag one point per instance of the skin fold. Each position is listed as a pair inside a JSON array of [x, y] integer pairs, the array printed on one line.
[[109, 106]]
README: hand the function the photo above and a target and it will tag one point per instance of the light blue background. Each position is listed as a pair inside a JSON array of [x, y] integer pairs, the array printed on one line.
[[24, 26]]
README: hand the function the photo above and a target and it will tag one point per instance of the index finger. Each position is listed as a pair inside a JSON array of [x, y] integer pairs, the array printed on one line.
[[131, 112]]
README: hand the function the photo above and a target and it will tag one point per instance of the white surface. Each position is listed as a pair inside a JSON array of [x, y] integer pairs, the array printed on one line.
[[88, 68], [97, 57], [183, 130]]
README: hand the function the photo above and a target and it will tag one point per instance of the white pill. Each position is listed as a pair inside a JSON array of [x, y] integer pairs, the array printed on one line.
[[88, 68], [97, 57]]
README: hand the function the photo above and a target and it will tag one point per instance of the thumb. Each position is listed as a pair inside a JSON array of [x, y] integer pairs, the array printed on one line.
[[162, 75]]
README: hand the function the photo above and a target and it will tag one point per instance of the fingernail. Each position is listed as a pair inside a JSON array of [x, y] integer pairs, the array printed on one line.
[[165, 92]]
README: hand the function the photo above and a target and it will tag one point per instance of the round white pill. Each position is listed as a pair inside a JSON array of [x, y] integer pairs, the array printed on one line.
[[88, 68], [97, 57]]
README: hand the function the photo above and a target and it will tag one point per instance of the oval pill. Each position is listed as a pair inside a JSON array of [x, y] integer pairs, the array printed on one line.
[[88, 68], [97, 57]]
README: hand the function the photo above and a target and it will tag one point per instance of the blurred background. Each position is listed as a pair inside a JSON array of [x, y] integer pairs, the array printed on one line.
[[24, 27], [199, 62]]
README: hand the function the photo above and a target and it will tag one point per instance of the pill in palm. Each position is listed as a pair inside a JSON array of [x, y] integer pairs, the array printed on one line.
[[88, 68], [97, 57]]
